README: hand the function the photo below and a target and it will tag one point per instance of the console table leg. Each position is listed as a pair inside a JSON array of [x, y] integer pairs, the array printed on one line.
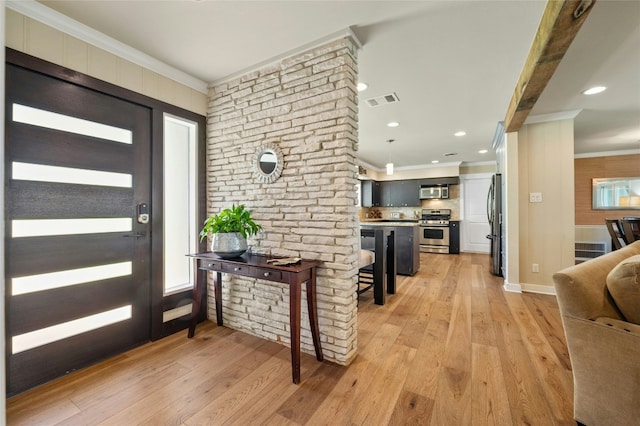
[[294, 325], [313, 314], [217, 291]]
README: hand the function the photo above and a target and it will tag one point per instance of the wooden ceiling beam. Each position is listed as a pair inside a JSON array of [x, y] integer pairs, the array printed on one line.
[[561, 21]]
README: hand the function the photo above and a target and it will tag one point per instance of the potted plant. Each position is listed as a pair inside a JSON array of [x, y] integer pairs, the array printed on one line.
[[230, 229]]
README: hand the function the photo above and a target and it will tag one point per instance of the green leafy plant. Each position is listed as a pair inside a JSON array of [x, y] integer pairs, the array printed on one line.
[[235, 219]]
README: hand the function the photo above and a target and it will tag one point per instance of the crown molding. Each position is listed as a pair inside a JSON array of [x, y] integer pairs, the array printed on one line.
[[429, 166], [555, 116], [479, 163], [416, 167], [607, 153], [54, 19]]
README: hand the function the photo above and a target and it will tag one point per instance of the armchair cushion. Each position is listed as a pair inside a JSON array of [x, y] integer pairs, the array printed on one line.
[[623, 283]]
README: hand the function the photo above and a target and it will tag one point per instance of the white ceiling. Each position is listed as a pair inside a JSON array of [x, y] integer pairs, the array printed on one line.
[[453, 64]]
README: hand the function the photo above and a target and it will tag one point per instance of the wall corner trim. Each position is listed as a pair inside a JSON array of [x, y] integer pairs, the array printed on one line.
[[512, 288], [50, 17]]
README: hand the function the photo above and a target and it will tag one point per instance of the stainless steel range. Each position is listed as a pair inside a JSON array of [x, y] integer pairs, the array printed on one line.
[[434, 230]]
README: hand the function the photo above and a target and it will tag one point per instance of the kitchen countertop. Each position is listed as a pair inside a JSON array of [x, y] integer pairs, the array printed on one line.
[[381, 222]]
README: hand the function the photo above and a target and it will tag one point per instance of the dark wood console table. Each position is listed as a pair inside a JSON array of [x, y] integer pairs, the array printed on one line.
[[257, 267]]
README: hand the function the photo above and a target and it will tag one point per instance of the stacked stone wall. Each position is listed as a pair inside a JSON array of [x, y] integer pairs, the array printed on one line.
[[306, 105]]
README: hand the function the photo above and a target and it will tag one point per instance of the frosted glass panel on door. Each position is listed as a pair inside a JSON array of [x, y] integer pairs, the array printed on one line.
[[51, 280], [180, 202], [47, 227], [57, 174], [66, 123], [43, 336]]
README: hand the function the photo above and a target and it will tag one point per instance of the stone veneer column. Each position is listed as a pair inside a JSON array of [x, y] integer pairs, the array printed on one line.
[[307, 106]]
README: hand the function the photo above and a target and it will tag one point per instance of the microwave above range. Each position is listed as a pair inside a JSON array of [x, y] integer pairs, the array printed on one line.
[[434, 192]]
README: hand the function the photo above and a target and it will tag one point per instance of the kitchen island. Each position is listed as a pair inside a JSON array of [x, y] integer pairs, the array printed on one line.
[[407, 243]]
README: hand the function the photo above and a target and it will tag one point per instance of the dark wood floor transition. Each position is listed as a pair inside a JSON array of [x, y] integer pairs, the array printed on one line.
[[450, 348]]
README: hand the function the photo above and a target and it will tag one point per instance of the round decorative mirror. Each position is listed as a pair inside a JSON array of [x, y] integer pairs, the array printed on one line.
[[268, 163]]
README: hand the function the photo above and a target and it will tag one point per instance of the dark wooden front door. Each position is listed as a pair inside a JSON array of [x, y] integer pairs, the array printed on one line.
[[77, 258]]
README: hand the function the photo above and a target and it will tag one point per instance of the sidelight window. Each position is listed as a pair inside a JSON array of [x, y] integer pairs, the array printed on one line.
[[180, 203]]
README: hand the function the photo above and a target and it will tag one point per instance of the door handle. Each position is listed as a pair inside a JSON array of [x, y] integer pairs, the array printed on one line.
[[136, 235]]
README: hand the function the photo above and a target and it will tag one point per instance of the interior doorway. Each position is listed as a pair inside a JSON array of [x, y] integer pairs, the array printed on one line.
[[475, 225]]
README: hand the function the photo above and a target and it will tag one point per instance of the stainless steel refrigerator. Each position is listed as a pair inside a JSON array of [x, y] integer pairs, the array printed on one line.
[[494, 215]]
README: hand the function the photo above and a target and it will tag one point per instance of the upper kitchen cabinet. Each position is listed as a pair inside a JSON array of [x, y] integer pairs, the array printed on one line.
[[370, 190], [400, 193]]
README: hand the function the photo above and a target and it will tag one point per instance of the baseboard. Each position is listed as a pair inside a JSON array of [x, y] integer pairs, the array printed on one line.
[[511, 287], [540, 289], [529, 288]]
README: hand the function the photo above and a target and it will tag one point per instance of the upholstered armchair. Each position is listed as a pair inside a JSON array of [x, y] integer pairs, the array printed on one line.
[[599, 302]]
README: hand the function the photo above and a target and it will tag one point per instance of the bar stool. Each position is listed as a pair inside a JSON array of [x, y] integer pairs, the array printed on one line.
[[365, 272]]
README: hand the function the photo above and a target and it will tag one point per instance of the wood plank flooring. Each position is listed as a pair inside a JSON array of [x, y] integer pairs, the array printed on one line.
[[450, 348]]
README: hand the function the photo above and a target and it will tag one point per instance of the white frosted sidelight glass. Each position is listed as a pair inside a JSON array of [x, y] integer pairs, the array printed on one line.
[[51, 280], [43, 336], [66, 123], [178, 312], [44, 173], [180, 202], [48, 227]]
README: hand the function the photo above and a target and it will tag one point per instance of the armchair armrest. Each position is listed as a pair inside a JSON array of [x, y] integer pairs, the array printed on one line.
[[605, 358]]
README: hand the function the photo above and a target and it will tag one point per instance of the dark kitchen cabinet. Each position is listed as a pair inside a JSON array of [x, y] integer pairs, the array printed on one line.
[[409, 193], [407, 247], [387, 189], [454, 237], [370, 190], [407, 250], [400, 193]]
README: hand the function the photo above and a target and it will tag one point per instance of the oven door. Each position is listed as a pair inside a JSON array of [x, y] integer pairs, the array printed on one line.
[[434, 239]]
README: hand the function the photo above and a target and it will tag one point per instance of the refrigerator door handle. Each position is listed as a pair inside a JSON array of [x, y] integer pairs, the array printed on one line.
[[489, 199]]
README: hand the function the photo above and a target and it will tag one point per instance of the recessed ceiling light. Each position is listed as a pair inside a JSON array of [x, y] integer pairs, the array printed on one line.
[[483, 151], [362, 86], [435, 161], [393, 124], [460, 133], [594, 90]]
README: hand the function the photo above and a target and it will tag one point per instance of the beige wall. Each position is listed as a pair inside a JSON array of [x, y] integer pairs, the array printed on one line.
[[547, 229], [479, 168], [37, 39], [307, 106]]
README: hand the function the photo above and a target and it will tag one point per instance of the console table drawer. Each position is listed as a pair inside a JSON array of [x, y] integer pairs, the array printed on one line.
[[267, 274], [210, 265], [244, 270]]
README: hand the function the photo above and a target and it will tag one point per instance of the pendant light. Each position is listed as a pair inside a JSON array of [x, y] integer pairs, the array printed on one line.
[[389, 164]]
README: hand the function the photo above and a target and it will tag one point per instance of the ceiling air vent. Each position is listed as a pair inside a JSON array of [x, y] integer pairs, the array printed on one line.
[[382, 100]]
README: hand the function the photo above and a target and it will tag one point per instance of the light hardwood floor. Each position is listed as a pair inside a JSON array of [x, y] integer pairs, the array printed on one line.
[[450, 348]]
